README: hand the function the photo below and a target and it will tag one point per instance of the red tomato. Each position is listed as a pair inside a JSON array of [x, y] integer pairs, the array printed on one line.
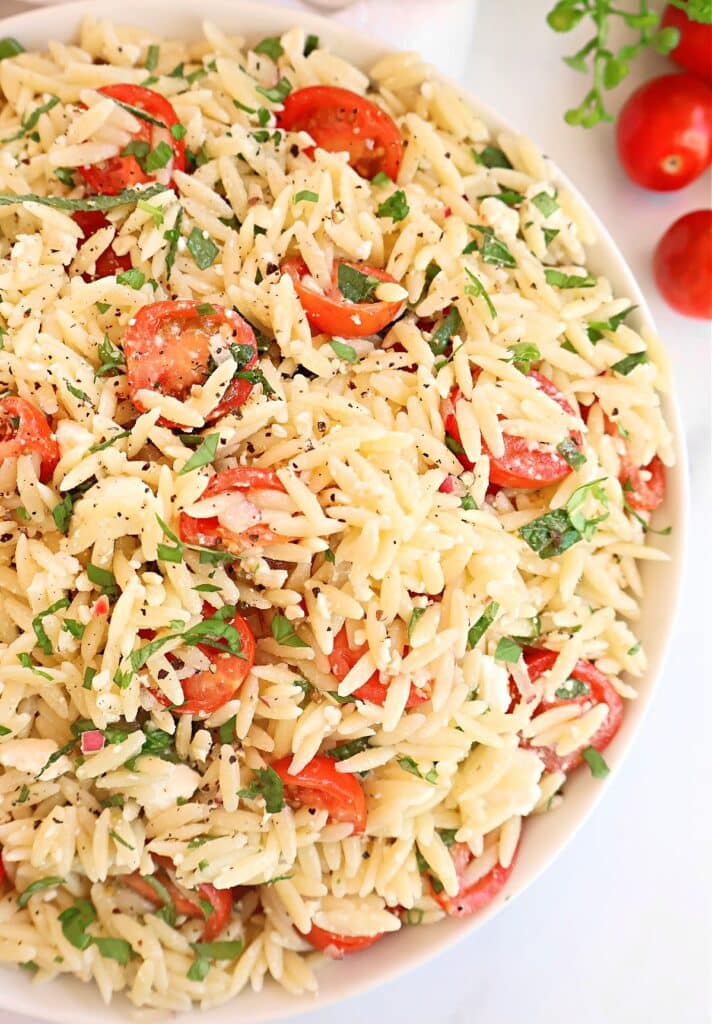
[[167, 349], [343, 658], [683, 265], [476, 896], [524, 464], [23, 428], [331, 313], [341, 121], [664, 132], [644, 492], [319, 784], [244, 479], [694, 51], [336, 946], [600, 691], [108, 263], [120, 172], [207, 691], [219, 899]]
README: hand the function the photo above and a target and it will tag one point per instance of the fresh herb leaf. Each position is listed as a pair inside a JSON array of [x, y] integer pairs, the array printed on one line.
[[55, 757], [26, 662], [278, 93], [94, 202], [43, 641], [152, 54], [103, 579], [82, 396], [381, 180], [396, 207], [346, 352], [508, 650], [468, 503], [283, 632], [413, 621], [330, 556], [346, 750], [491, 249], [491, 156], [311, 43], [442, 336], [594, 760], [65, 175], [133, 278], [114, 949], [158, 157], [305, 196], [270, 47], [266, 783], [572, 688], [628, 363], [594, 489], [596, 328], [172, 236], [202, 248], [10, 47], [199, 969], [119, 839], [75, 628], [178, 131], [523, 355], [32, 120], [647, 528], [478, 630], [89, 674], [355, 286], [570, 451], [203, 456], [559, 279], [551, 534], [113, 361], [476, 288], [550, 234], [103, 445], [24, 794], [226, 731], [255, 376], [154, 212], [545, 204], [139, 112], [408, 764], [507, 196], [75, 920], [39, 886]]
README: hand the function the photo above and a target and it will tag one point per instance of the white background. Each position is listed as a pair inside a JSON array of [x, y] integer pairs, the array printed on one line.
[[617, 931]]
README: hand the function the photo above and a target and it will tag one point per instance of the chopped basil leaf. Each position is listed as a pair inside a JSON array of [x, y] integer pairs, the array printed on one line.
[[568, 347], [478, 630], [523, 355], [10, 47], [227, 730], [306, 196], [77, 392], [24, 794], [381, 179], [409, 765], [114, 949], [468, 503], [647, 528], [203, 456], [202, 248], [133, 278], [491, 156], [26, 662], [396, 207], [75, 628], [139, 112], [454, 446], [571, 452], [266, 783], [39, 886], [110, 440], [139, 149], [95, 202], [585, 526], [507, 196], [594, 760], [346, 352], [628, 363], [477, 288], [112, 359], [152, 57], [158, 157], [448, 835], [75, 920], [270, 47], [254, 376], [65, 175], [561, 280], [22, 513], [596, 328], [119, 839], [154, 212], [330, 556], [43, 641], [89, 674], [355, 286], [508, 650], [103, 579], [572, 688], [311, 43], [346, 750], [199, 969], [55, 757], [139, 657], [278, 93], [31, 121], [491, 249], [283, 632], [413, 621], [633, 650], [178, 131], [442, 336], [545, 203], [172, 236], [550, 234]]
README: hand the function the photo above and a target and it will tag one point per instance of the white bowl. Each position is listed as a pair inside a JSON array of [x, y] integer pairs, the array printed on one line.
[[544, 837]]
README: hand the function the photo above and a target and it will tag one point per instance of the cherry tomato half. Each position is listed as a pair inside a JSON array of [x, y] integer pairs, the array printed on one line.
[[664, 132], [108, 263], [337, 946], [168, 349], [600, 691], [683, 265], [241, 481], [694, 50], [331, 313], [644, 486], [207, 691], [23, 428], [343, 658], [341, 121], [119, 172], [319, 784], [474, 897], [524, 464], [219, 899]]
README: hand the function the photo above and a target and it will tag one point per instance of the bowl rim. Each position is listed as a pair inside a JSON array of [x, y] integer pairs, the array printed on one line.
[[23, 998]]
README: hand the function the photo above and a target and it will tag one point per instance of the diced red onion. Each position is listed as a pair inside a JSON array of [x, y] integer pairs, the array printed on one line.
[[92, 741]]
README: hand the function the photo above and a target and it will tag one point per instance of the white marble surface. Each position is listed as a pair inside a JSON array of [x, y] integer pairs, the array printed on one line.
[[618, 930]]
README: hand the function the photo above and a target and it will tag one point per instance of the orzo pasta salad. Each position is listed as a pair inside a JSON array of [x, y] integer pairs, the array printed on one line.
[[326, 469]]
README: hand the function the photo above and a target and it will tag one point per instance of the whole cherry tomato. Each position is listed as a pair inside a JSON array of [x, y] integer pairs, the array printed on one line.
[[683, 265], [694, 51]]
